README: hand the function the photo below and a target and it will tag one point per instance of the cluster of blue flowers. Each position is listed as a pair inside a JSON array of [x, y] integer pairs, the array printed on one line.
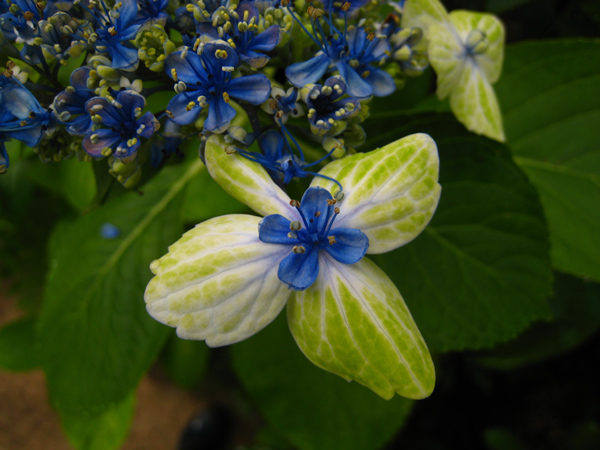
[[271, 76], [296, 71]]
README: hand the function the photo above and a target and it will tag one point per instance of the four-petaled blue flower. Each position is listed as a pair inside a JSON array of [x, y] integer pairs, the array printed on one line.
[[311, 230], [206, 81], [125, 125]]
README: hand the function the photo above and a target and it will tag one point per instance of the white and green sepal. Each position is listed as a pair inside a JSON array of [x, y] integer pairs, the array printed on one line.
[[354, 323], [391, 193], [218, 282]]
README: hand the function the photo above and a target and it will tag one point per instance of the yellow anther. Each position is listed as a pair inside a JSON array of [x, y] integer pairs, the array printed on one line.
[[226, 97], [331, 240], [315, 13]]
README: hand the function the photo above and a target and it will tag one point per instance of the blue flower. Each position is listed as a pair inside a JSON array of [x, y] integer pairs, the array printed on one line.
[[326, 105], [307, 236], [151, 12], [279, 160], [283, 104], [352, 54], [70, 103], [243, 35], [206, 81], [112, 29], [21, 116], [125, 125], [20, 23]]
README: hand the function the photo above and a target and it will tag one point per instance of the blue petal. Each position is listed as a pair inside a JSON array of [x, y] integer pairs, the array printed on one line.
[[220, 115], [254, 89], [306, 72], [151, 125], [350, 245], [267, 40], [80, 125], [128, 11], [274, 229], [357, 87], [271, 144], [19, 101], [79, 78], [123, 58], [131, 100], [314, 206], [299, 270], [106, 138], [214, 64], [381, 82], [111, 117], [189, 70], [178, 108]]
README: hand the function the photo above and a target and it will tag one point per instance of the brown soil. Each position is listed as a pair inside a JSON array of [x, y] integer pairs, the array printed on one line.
[[27, 422]]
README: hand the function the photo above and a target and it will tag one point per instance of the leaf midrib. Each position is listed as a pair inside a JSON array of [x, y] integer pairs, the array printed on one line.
[[194, 169], [557, 168]]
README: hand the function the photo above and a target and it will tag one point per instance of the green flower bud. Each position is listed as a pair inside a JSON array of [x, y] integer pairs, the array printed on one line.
[[153, 47]]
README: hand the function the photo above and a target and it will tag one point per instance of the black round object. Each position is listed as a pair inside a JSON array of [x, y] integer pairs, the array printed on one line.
[[210, 429]]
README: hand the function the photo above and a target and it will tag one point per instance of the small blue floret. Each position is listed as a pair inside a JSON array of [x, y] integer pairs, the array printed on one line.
[[313, 232]]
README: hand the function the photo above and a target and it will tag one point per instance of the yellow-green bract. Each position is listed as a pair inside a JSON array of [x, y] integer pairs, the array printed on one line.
[[466, 50], [219, 281]]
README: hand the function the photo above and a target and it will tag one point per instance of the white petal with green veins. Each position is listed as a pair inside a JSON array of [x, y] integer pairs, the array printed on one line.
[[423, 14], [446, 56], [474, 103], [218, 282], [354, 323], [245, 180], [390, 193]]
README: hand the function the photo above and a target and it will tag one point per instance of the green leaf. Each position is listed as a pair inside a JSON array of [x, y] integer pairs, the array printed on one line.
[[312, 408], [105, 431], [480, 272], [185, 361], [96, 337], [72, 179], [18, 345], [498, 6], [204, 199], [575, 317], [550, 95]]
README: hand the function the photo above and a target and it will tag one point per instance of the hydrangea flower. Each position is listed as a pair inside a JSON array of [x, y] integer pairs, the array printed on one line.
[[230, 276], [21, 117], [243, 36], [352, 53], [124, 123], [70, 103], [328, 104], [466, 50], [114, 28], [206, 81], [279, 160]]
